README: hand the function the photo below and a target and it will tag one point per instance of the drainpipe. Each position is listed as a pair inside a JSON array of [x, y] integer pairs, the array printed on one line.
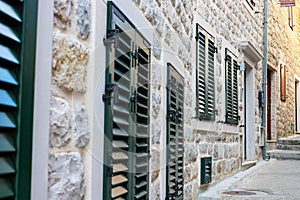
[[265, 60]]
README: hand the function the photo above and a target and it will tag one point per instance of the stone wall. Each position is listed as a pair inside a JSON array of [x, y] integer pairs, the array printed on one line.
[[173, 22], [233, 22], [284, 49], [69, 123]]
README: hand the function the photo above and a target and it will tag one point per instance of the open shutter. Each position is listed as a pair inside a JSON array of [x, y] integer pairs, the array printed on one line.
[[17, 56], [205, 75], [231, 83], [127, 111], [175, 143]]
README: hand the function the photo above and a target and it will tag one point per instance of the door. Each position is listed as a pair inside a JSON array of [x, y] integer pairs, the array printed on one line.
[[175, 148], [17, 65], [249, 114], [269, 103], [126, 169]]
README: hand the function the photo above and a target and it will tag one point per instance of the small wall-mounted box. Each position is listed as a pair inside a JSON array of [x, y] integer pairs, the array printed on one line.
[[206, 170]]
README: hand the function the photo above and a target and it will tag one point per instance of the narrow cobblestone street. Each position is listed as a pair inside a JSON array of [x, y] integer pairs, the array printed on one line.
[[274, 179]]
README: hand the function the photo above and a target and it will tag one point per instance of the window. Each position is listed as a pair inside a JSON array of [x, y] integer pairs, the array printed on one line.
[[175, 150], [231, 86], [282, 82], [205, 75], [127, 90]]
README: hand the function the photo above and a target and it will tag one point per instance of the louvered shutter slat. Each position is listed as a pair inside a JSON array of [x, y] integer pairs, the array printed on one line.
[[8, 54], [6, 166], [6, 121], [8, 33], [6, 188], [7, 77], [116, 180], [118, 191], [6, 143], [6, 99]]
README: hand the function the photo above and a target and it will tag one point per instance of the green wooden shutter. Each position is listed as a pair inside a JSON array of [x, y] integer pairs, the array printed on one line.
[[141, 142], [17, 57], [231, 83], [127, 116], [175, 143], [201, 74], [205, 75], [211, 79]]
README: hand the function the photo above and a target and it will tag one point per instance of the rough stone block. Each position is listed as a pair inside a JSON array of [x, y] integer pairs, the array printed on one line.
[[81, 127], [156, 103], [62, 13], [188, 189], [66, 177], [155, 191], [83, 18], [60, 125], [69, 64], [156, 49], [190, 153]]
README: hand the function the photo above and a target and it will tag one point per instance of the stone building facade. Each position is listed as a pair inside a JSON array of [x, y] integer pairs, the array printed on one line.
[[283, 36], [78, 68], [192, 73]]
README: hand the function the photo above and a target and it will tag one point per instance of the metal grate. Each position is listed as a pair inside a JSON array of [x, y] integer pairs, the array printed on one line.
[[206, 170]]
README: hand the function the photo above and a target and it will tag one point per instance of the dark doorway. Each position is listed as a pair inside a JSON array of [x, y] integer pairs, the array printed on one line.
[[269, 103]]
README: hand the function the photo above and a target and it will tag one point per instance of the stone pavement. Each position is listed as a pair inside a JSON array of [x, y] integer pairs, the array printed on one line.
[[271, 180]]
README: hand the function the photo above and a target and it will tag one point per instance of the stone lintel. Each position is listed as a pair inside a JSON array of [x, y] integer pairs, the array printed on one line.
[[250, 51]]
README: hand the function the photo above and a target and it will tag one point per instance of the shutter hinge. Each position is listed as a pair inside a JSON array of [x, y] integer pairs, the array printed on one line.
[[111, 91], [170, 196], [112, 37], [110, 171], [134, 54], [216, 49], [134, 100]]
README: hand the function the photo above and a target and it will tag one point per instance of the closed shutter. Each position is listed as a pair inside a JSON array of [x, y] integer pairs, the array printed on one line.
[[231, 83], [17, 56], [282, 82], [211, 79], [141, 139], [175, 143], [205, 75], [127, 114]]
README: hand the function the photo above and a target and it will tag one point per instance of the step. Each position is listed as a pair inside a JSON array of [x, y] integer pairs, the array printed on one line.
[[284, 154], [291, 140], [288, 147]]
